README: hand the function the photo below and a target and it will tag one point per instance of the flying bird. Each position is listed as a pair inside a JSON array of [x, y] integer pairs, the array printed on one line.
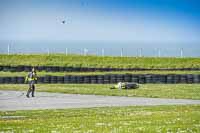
[[63, 22]]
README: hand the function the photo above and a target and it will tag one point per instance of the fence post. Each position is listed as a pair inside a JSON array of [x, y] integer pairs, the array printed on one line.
[[181, 52], [66, 51], [48, 51], [122, 52], [8, 49], [140, 52], [102, 52]]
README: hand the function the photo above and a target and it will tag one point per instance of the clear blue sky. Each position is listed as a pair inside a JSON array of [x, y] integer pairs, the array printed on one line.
[[106, 20]]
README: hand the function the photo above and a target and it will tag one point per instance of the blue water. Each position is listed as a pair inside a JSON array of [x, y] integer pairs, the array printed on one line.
[[95, 48]]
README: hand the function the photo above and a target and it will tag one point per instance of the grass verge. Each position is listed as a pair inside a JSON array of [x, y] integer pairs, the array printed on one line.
[[97, 61], [179, 91], [108, 119]]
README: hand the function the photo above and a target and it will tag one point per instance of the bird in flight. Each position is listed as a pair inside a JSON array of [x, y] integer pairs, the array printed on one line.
[[63, 22]]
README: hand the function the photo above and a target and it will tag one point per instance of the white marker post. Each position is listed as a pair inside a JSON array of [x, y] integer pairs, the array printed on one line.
[[102, 51], [85, 51], [181, 52], [48, 51], [8, 49], [122, 52], [66, 51], [158, 52], [140, 52]]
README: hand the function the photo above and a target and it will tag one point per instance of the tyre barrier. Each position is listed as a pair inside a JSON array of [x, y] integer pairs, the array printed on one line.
[[67, 79], [93, 79], [196, 78], [86, 79], [113, 79], [40, 80], [149, 79], [100, 79], [60, 79], [21, 68], [108, 79], [127, 77], [142, 79], [53, 79], [47, 79]]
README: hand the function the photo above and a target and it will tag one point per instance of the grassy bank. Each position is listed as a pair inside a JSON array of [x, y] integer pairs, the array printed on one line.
[[184, 91], [109, 119], [97, 61]]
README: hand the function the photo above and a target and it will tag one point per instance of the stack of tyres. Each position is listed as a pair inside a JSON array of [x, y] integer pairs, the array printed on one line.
[[66, 69], [80, 79], [155, 78], [40, 68], [13, 80], [47, 79], [48, 68], [60, 79], [53, 79], [27, 68], [106, 79], [6, 80], [87, 79], [40, 80], [120, 78], [106, 69], [13, 68], [196, 78], [148, 78], [1, 68], [67, 79], [159, 79], [177, 78], [127, 78], [183, 78], [92, 69], [135, 78], [1, 80], [93, 79], [189, 78], [82, 69], [20, 80], [76, 69], [54, 68], [73, 79], [170, 79], [142, 79], [69, 69], [6, 68], [61, 69], [113, 79], [100, 79], [20, 68]]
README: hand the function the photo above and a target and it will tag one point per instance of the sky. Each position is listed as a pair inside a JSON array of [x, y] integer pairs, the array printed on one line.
[[101, 20]]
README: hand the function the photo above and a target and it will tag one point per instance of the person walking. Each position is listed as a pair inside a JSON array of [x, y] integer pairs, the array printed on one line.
[[31, 79]]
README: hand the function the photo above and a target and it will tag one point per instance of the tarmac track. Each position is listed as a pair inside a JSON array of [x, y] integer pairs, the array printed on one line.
[[16, 100]]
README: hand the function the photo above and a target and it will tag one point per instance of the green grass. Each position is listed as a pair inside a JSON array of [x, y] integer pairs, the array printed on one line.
[[137, 119], [96, 61], [184, 91], [43, 73]]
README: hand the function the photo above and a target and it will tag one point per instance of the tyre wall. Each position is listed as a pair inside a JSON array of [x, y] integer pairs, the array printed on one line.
[[83, 69], [108, 79]]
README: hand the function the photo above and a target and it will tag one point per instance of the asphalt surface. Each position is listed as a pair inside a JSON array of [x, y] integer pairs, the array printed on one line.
[[16, 100]]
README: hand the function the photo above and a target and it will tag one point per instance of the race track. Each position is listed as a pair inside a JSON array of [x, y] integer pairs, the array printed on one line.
[[16, 100]]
